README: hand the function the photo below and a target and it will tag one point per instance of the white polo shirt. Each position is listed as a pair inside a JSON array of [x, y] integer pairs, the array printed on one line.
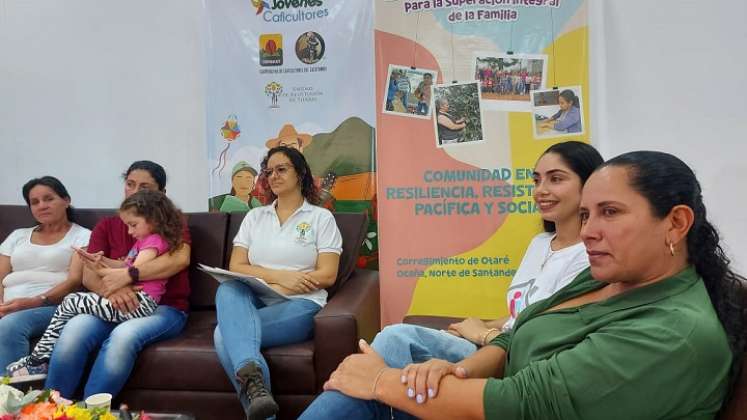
[[295, 245]]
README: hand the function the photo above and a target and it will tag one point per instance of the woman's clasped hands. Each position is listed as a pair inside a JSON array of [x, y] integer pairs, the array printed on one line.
[[296, 281], [358, 375]]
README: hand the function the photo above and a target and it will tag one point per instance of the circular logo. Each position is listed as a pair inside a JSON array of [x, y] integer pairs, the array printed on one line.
[[310, 47]]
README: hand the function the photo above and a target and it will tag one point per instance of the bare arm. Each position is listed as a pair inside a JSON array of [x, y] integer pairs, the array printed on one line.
[[71, 284], [296, 282], [487, 362], [446, 122], [163, 266], [5, 269], [457, 398], [476, 330], [357, 377], [325, 273], [55, 294]]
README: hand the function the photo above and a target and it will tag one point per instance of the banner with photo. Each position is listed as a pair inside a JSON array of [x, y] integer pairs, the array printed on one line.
[[294, 73], [469, 93]]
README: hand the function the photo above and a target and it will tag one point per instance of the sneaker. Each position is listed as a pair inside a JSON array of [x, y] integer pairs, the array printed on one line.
[[25, 370], [261, 404]]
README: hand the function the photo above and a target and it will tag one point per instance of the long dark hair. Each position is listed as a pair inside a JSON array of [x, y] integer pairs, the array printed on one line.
[[56, 186], [155, 170], [305, 179], [159, 212], [570, 97], [666, 181], [582, 158]]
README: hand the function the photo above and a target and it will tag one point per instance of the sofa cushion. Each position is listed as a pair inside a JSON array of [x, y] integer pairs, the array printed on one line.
[[292, 366]]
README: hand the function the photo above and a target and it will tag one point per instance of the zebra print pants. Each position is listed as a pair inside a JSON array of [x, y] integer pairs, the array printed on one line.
[[86, 303]]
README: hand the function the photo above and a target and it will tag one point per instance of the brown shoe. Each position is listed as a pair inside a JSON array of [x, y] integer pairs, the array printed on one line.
[[261, 403]]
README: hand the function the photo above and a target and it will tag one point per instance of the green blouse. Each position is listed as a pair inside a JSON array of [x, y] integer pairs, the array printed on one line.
[[655, 352]]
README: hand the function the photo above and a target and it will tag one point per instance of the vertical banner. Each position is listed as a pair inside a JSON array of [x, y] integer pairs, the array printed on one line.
[[469, 93], [294, 73]]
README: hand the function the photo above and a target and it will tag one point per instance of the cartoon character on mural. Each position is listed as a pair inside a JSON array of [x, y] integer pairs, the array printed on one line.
[[243, 181], [229, 132]]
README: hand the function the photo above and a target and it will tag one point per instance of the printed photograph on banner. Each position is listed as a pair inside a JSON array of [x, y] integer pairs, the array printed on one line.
[[506, 80], [310, 47], [408, 91], [557, 112], [458, 114]]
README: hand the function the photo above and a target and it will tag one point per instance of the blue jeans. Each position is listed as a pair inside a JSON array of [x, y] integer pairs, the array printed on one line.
[[399, 345], [246, 325], [335, 405], [18, 329], [119, 346], [422, 108]]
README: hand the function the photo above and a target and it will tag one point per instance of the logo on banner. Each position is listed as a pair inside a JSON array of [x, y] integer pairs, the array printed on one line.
[[290, 11], [310, 47], [271, 50], [260, 5], [274, 90]]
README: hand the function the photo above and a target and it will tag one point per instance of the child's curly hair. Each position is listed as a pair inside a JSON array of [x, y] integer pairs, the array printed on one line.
[[165, 219]]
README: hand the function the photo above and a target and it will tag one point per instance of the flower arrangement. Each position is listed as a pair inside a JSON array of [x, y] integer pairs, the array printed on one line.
[[49, 405]]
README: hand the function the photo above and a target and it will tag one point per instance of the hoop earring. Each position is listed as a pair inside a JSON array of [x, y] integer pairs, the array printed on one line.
[[671, 248]]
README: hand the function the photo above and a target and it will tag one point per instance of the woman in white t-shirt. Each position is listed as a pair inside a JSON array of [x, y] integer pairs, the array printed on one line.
[[551, 261], [37, 267], [293, 245]]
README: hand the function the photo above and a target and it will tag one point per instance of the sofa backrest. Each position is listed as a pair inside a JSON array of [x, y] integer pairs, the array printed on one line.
[[208, 232], [13, 217], [352, 226], [212, 240]]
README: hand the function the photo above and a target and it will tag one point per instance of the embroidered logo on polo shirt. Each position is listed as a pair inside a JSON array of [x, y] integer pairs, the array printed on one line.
[[304, 231]]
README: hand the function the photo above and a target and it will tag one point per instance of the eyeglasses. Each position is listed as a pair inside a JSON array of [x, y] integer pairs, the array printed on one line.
[[280, 170]]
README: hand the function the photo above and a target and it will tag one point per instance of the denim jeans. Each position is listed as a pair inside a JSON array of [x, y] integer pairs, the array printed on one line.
[[18, 329], [399, 345], [246, 325], [119, 346], [335, 405]]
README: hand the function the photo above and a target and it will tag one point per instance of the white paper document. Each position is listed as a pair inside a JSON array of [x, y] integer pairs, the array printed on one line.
[[262, 290]]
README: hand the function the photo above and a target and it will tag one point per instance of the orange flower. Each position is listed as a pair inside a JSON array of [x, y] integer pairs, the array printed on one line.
[[38, 411]]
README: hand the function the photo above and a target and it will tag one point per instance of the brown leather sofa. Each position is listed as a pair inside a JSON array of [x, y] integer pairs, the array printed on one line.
[[184, 375]]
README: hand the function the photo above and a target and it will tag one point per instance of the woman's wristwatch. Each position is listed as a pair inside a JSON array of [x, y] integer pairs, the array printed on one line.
[[134, 273], [46, 301]]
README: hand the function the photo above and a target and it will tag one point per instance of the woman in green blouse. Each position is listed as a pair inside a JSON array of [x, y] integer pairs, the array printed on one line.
[[653, 330]]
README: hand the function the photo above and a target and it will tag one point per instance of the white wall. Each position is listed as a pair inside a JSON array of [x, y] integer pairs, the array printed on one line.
[[671, 75], [88, 86]]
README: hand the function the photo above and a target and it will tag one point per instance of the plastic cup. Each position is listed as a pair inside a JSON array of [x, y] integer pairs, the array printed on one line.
[[100, 400]]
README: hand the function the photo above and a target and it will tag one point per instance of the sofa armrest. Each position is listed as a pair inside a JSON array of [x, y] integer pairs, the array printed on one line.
[[352, 313]]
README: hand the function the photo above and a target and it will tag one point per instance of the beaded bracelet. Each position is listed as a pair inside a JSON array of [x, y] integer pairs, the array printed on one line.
[[486, 334]]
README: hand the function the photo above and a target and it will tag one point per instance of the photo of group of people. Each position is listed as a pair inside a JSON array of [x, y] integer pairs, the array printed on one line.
[[509, 82], [509, 77], [409, 91], [557, 112]]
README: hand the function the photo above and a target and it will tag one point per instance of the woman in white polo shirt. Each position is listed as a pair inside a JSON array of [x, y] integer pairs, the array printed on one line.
[[292, 244]]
